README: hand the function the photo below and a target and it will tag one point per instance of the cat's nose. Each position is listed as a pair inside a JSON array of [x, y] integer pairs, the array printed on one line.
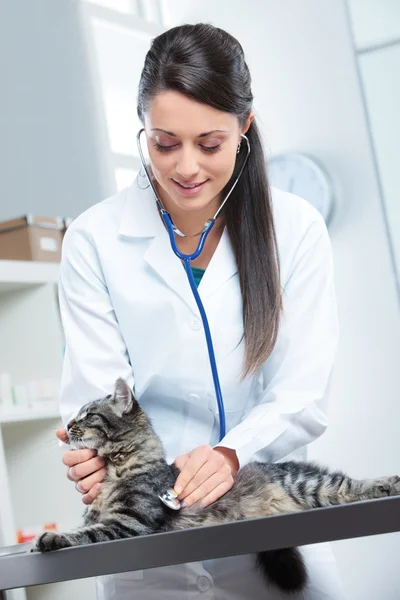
[[70, 424]]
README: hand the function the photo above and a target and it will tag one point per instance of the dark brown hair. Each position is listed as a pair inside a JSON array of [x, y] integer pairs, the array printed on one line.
[[207, 64]]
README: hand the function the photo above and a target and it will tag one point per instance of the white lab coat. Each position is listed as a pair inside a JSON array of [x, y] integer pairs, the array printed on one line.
[[128, 311]]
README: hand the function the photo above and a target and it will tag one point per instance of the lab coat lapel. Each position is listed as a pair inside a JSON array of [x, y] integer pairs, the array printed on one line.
[[221, 267], [161, 258], [140, 219]]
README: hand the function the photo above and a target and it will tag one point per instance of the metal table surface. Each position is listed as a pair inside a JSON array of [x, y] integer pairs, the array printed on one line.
[[19, 568]]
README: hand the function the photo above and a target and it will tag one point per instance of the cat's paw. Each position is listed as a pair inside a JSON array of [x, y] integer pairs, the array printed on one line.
[[394, 485], [387, 486], [49, 541]]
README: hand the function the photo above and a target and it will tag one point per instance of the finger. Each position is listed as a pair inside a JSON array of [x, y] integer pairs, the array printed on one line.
[[74, 457], [86, 468], [203, 474], [181, 461], [217, 493], [87, 483], [196, 460], [92, 494], [207, 488], [62, 435]]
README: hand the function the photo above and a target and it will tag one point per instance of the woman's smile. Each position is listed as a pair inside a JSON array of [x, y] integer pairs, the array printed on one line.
[[189, 189]]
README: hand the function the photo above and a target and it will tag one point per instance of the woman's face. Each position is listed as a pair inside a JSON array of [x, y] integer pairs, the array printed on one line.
[[191, 144]]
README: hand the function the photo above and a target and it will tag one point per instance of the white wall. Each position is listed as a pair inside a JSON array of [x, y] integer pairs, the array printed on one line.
[[308, 98], [378, 69], [374, 22], [376, 27], [52, 155]]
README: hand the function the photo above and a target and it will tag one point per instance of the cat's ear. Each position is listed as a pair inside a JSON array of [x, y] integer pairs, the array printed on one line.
[[123, 397]]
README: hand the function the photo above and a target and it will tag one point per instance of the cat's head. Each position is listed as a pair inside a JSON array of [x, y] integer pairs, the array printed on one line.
[[112, 424]]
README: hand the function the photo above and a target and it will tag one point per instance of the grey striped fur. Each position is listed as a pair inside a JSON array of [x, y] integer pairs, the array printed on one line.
[[137, 472]]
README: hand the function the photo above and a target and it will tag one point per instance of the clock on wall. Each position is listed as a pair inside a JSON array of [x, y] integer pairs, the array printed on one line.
[[301, 175]]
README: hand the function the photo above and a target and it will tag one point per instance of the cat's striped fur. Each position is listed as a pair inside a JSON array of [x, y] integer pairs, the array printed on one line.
[[137, 473]]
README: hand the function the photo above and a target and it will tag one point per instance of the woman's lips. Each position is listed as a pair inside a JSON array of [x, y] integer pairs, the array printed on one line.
[[188, 191]]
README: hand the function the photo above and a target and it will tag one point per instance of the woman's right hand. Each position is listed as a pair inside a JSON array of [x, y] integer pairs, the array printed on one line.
[[85, 468]]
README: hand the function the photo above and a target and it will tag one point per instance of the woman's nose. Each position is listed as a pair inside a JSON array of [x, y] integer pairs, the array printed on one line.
[[187, 166]]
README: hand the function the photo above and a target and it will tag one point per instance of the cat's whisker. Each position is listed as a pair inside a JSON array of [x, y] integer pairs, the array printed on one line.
[[39, 450]]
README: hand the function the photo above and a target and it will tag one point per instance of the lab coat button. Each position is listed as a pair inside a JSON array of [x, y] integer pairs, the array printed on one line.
[[194, 397], [203, 584], [195, 323]]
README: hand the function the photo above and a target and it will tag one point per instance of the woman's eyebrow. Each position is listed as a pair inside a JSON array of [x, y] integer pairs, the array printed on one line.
[[200, 136]]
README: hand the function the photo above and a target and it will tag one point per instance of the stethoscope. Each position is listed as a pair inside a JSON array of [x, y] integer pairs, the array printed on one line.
[[169, 498]]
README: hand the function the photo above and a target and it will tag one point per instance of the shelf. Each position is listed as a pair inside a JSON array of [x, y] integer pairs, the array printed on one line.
[[18, 274], [18, 415]]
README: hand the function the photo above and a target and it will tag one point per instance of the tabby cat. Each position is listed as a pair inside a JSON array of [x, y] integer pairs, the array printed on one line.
[[137, 472]]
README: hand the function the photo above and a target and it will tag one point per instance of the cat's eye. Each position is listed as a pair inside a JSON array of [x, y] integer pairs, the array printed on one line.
[[90, 417]]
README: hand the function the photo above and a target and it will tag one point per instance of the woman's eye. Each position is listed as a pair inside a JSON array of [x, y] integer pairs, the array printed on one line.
[[161, 148], [211, 148]]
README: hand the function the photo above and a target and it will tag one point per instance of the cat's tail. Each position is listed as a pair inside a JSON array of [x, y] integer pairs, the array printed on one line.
[[285, 568]]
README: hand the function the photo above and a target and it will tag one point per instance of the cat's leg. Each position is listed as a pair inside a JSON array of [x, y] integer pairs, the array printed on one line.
[[369, 489], [99, 532], [301, 486], [331, 489]]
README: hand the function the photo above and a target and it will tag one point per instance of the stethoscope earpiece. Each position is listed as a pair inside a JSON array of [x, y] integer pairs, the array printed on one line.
[[160, 204]]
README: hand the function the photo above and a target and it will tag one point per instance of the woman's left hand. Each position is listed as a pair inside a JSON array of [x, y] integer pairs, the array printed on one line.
[[206, 474]]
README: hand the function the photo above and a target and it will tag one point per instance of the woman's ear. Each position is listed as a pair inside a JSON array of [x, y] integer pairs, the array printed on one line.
[[248, 122]]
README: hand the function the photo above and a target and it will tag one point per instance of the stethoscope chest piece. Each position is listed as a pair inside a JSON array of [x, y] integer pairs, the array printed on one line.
[[170, 499]]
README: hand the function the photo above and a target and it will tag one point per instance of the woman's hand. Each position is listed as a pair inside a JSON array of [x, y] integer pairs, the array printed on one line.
[[85, 468], [206, 475]]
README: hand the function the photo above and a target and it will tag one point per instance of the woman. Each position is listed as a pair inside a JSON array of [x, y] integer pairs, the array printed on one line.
[[265, 278]]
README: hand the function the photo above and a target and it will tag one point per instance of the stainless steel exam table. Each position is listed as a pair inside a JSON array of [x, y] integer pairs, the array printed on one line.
[[19, 568]]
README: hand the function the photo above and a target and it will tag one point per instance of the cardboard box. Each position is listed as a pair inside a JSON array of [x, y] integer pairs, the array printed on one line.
[[32, 238]]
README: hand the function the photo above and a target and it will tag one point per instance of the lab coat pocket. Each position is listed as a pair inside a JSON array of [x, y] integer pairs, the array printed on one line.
[[131, 575], [118, 586], [125, 583], [234, 407], [232, 418]]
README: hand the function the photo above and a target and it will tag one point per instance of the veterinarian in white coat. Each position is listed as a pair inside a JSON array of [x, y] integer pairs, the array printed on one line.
[[128, 311]]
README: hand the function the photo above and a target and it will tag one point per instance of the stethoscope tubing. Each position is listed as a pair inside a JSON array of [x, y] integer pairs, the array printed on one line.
[[186, 259]]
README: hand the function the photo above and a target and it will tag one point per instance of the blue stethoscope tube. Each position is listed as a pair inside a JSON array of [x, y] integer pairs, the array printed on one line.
[[187, 258]]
